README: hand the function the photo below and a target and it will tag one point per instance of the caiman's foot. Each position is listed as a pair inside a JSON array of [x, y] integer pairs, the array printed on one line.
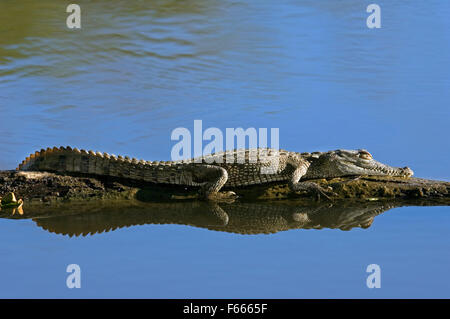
[[313, 189], [223, 197]]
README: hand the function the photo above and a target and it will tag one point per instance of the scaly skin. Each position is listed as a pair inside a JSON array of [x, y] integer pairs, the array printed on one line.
[[212, 172]]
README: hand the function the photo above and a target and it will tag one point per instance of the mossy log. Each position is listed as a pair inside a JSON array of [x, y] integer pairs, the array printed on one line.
[[38, 187]]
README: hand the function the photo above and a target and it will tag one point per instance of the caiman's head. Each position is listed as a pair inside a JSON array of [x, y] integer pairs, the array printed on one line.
[[355, 162]]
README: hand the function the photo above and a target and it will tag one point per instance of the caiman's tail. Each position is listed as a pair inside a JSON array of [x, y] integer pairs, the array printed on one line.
[[67, 160]]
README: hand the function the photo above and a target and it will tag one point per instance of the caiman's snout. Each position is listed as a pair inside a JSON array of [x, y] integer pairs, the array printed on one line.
[[406, 171]]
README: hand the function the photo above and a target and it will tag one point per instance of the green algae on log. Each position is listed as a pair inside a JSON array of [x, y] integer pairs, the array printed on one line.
[[50, 187]]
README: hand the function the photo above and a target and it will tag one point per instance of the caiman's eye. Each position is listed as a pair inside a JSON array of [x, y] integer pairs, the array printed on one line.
[[365, 155]]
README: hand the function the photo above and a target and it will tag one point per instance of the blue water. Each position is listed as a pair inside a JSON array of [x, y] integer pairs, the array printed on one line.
[[409, 244], [136, 71]]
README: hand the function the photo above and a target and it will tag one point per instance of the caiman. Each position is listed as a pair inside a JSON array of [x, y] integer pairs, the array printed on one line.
[[212, 172]]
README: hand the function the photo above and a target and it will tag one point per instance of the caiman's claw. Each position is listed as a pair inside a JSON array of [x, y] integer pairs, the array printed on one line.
[[323, 192], [313, 189]]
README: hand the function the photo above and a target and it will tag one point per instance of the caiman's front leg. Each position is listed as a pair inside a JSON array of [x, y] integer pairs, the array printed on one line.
[[213, 178], [300, 167]]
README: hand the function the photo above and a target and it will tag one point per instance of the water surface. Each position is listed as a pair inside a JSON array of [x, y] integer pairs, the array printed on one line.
[[136, 71]]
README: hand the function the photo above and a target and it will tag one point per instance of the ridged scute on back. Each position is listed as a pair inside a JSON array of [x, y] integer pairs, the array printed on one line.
[[67, 160], [73, 161], [28, 162]]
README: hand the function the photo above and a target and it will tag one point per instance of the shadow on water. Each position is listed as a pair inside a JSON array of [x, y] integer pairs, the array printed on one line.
[[241, 218]]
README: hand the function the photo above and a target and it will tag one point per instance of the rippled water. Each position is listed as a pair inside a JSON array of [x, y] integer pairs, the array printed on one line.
[[137, 70]]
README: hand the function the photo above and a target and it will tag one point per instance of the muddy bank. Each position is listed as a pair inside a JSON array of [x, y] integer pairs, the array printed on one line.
[[41, 187]]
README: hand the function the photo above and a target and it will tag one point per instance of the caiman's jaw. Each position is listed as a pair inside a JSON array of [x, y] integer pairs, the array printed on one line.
[[361, 162]]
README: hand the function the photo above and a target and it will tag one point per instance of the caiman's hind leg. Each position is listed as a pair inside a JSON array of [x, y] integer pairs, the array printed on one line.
[[213, 178]]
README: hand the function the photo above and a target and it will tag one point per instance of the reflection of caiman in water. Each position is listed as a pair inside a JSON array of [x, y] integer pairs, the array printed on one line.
[[242, 218]]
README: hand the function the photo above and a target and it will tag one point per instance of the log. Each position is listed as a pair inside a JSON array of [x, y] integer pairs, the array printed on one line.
[[43, 187]]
